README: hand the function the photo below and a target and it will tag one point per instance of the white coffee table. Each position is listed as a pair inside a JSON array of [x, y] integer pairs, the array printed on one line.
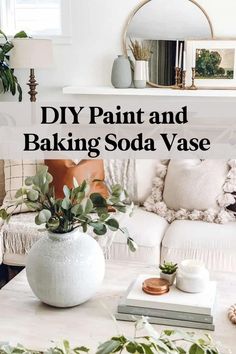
[[24, 319]]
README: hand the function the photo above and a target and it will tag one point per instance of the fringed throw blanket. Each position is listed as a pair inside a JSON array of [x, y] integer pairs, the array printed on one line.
[[121, 172]]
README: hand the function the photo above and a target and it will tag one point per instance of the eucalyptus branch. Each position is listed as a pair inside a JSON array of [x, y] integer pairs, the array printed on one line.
[[72, 211]]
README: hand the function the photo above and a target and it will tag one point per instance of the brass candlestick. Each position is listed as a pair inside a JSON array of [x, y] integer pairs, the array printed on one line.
[[32, 85], [183, 86], [193, 86], [180, 77], [177, 78]]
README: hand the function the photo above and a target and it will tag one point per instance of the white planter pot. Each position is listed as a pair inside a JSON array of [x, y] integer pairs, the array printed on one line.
[[65, 270], [169, 277], [140, 74]]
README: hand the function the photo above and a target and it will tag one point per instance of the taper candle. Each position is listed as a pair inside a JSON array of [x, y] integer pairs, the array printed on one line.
[[180, 55], [184, 62], [177, 55]]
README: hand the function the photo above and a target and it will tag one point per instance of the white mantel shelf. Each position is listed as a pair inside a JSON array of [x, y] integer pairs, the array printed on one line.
[[157, 92]]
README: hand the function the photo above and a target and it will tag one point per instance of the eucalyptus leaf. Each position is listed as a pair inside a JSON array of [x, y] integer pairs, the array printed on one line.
[[66, 191], [81, 349], [75, 183], [20, 193], [32, 195], [3, 214], [77, 210], [88, 206], [98, 200], [100, 232], [43, 217], [108, 347], [29, 181], [132, 244], [66, 204], [195, 349], [112, 224]]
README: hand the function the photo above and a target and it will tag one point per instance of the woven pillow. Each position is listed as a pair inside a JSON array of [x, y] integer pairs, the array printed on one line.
[[194, 190], [16, 171]]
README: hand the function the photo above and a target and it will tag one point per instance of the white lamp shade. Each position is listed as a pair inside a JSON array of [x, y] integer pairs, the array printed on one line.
[[31, 53]]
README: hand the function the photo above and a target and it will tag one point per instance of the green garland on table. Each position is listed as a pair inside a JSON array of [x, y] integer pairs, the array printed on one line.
[[166, 342]]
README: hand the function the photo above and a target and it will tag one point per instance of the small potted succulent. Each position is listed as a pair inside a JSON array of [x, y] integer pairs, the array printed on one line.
[[168, 271], [66, 266]]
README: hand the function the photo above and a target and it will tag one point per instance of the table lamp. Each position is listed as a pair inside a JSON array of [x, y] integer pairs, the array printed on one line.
[[29, 53]]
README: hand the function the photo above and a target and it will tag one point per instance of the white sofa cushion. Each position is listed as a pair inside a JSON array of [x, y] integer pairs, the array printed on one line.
[[148, 230], [145, 172], [212, 243]]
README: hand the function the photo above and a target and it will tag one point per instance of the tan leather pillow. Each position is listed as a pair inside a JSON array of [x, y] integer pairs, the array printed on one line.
[[63, 172]]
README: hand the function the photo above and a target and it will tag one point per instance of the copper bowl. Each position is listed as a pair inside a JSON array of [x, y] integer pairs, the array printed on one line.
[[156, 286]]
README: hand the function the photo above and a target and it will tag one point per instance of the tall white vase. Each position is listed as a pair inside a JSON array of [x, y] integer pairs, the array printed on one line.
[[140, 74], [65, 270]]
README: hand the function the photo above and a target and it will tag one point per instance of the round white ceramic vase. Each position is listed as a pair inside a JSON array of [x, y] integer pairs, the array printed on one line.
[[65, 270], [140, 74], [192, 276]]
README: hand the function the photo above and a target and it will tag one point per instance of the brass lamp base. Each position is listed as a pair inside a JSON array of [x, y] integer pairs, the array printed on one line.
[[32, 85]]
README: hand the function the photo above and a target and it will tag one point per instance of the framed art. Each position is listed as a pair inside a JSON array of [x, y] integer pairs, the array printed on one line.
[[214, 62]]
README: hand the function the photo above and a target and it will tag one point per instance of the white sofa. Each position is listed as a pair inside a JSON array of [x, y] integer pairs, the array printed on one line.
[[214, 244]]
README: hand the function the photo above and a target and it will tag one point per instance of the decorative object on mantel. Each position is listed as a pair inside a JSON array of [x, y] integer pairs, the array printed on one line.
[[29, 53], [121, 76], [232, 314], [168, 271], [192, 276], [211, 64], [148, 344], [8, 80], [66, 267], [166, 25], [141, 53]]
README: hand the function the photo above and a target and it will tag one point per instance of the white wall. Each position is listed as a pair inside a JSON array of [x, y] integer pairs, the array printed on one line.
[[97, 27]]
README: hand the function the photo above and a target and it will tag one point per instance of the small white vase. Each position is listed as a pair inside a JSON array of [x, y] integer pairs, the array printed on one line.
[[65, 270], [140, 74], [169, 277], [192, 276]]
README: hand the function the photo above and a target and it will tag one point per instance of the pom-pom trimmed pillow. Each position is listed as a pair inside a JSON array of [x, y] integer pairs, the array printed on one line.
[[194, 190]]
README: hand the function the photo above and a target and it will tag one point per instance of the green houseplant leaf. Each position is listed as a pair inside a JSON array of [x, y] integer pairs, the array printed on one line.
[[9, 80]]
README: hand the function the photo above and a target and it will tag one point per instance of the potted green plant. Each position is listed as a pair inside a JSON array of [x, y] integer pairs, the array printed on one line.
[[66, 266], [8, 80], [168, 271]]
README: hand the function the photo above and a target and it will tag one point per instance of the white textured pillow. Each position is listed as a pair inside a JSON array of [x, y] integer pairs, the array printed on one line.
[[193, 189], [16, 171]]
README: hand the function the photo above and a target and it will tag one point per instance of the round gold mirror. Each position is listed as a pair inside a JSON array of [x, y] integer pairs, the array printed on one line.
[[162, 27]]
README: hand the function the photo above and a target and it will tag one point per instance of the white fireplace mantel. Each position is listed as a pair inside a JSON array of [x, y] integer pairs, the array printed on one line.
[[153, 92]]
